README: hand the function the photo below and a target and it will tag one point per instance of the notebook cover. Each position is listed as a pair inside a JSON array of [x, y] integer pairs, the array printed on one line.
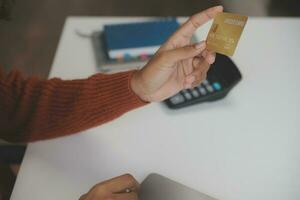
[[141, 34]]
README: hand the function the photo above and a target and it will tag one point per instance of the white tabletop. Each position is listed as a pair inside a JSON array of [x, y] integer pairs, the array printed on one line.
[[244, 147]]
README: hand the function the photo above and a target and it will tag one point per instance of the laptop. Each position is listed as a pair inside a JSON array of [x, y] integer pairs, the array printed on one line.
[[157, 187]]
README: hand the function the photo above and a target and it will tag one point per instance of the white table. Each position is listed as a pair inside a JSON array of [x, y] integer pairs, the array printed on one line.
[[244, 147]]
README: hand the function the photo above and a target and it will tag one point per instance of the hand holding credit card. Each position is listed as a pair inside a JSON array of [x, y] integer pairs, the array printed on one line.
[[225, 33]]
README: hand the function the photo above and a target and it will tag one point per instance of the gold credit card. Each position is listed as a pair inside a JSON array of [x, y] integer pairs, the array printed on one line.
[[225, 33]]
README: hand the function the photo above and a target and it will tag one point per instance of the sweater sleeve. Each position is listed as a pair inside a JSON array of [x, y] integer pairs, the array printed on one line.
[[32, 109]]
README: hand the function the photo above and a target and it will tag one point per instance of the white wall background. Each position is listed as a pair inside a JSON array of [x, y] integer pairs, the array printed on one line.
[[247, 7]]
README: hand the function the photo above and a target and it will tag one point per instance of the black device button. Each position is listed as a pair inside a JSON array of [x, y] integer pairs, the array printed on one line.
[[177, 99]]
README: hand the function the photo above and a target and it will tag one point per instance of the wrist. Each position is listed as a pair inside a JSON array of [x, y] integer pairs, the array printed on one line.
[[137, 86]]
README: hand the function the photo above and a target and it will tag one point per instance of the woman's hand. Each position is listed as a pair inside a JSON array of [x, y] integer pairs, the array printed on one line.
[[120, 188], [178, 64]]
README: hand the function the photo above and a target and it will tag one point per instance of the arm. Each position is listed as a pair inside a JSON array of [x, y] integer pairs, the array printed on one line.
[[33, 109]]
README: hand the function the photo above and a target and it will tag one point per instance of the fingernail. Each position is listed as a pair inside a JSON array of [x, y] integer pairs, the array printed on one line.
[[200, 45]]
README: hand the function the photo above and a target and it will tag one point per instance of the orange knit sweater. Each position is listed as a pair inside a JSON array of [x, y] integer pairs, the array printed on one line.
[[33, 109]]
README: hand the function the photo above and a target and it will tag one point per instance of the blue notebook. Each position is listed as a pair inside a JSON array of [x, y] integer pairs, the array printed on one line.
[[137, 39]]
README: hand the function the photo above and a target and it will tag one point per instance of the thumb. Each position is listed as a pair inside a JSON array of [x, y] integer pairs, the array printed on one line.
[[185, 52]]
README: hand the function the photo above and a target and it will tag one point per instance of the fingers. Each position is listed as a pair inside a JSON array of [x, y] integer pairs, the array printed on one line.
[[188, 82], [124, 187], [196, 77], [195, 21], [206, 56], [201, 66], [200, 74], [121, 183], [172, 56], [209, 56], [197, 61], [125, 196]]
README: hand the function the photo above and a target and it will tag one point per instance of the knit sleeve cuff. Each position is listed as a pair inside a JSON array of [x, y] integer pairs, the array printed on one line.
[[116, 92]]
